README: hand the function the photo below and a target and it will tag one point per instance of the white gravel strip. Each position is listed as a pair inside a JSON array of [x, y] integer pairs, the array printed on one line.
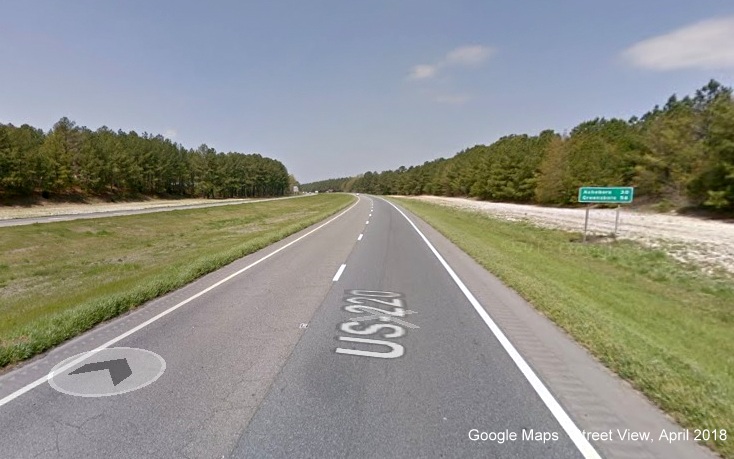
[[707, 243]]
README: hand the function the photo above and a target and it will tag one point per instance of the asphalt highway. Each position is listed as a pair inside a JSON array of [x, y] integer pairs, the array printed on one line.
[[367, 335]]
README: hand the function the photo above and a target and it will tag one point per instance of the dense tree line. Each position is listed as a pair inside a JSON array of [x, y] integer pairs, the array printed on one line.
[[682, 153], [70, 160], [337, 184]]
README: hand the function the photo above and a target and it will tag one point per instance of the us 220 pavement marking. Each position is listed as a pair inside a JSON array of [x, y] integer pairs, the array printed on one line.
[[365, 302]]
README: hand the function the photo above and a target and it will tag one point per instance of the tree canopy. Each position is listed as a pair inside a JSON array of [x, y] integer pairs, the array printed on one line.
[[71, 159], [682, 153]]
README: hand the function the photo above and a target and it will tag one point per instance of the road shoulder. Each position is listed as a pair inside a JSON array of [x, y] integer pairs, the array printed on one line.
[[595, 398]]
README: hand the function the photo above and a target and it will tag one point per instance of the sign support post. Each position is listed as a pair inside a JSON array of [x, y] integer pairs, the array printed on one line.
[[605, 195]]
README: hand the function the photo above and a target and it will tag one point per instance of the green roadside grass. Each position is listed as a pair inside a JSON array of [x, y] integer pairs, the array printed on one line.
[[58, 280], [662, 325]]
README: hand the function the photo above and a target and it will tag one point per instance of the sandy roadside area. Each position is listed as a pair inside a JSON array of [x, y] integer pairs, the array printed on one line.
[[50, 209], [707, 243]]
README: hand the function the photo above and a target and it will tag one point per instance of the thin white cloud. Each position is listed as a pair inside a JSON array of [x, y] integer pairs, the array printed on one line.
[[463, 56], [420, 72], [704, 45], [170, 133], [468, 55]]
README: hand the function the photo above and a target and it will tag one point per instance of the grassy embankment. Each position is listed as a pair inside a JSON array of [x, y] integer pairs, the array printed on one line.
[[660, 324], [58, 280]]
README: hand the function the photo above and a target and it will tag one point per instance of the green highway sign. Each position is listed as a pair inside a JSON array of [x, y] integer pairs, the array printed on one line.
[[606, 194]]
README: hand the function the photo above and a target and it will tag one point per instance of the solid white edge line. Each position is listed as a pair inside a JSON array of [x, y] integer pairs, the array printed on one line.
[[583, 445], [359, 238], [109, 343], [339, 272]]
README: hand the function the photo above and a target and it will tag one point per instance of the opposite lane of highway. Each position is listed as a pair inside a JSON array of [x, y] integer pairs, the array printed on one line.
[[116, 213]]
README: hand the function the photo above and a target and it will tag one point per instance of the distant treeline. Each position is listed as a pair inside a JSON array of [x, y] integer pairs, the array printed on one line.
[[681, 155], [75, 160]]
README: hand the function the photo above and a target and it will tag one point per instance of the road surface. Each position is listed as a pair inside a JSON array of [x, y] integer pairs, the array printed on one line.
[[367, 335]]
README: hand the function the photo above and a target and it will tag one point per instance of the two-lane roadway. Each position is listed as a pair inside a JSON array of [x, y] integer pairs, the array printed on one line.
[[367, 335]]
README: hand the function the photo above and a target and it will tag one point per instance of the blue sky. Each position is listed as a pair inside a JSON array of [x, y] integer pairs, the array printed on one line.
[[336, 88]]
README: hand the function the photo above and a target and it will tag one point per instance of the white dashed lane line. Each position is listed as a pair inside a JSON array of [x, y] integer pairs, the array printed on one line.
[[339, 272]]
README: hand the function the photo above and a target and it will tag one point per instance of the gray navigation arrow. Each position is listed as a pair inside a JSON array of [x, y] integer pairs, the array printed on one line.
[[118, 368]]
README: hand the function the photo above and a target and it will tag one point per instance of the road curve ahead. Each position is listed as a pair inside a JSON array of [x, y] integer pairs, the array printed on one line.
[[353, 338]]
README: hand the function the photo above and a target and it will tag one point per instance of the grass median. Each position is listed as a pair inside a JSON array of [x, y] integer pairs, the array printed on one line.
[[660, 324], [58, 280]]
